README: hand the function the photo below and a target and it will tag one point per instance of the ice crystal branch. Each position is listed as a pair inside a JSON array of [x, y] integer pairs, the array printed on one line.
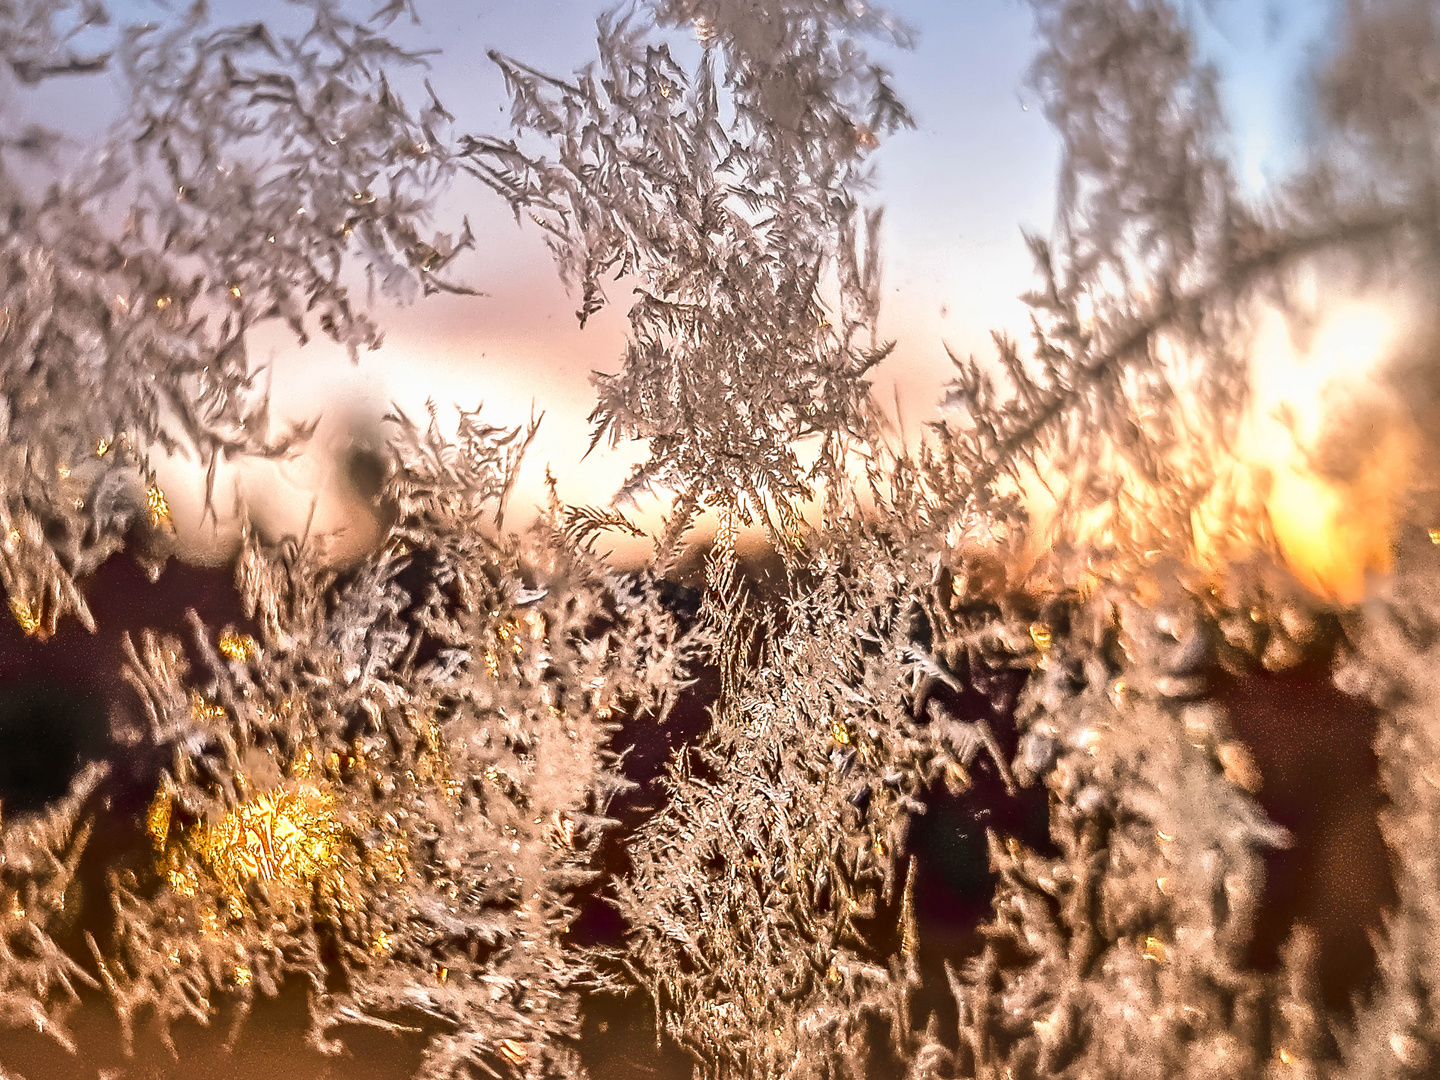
[[246, 172], [39, 981], [1140, 266], [727, 192], [772, 895], [1127, 403], [412, 765], [396, 783]]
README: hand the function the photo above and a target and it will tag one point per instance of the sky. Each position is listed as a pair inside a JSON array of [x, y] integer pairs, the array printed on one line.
[[957, 190]]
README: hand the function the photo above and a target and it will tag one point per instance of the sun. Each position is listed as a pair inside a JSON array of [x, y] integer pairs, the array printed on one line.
[[1329, 450]]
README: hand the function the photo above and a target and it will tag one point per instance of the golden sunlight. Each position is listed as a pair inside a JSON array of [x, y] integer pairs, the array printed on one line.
[[1320, 466], [1329, 452]]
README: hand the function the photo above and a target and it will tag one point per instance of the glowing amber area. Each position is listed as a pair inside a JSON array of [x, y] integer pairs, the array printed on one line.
[[1331, 529], [27, 617], [1320, 465], [294, 836], [238, 647], [156, 503], [287, 836]]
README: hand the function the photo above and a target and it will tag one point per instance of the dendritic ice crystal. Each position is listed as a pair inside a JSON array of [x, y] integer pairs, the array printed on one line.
[[970, 782]]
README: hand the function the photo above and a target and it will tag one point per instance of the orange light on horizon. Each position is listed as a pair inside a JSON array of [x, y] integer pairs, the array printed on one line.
[[1333, 521], [1320, 468]]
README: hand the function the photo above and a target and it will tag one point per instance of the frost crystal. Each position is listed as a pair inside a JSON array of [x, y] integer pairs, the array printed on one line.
[[976, 791]]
